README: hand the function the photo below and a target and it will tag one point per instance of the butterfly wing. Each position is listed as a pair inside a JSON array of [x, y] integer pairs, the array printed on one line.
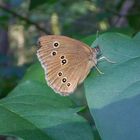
[[66, 62]]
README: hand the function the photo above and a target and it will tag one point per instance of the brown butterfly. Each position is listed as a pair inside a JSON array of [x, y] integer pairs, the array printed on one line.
[[66, 62]]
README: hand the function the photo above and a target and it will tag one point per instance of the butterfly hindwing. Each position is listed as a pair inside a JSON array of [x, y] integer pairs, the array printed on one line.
[[65, 61]]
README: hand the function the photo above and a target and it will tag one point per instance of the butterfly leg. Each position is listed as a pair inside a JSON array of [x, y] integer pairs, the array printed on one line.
[[98, 70], [104, 58]]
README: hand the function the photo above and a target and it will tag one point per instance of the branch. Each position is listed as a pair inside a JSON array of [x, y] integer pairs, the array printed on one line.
[[24, 18]]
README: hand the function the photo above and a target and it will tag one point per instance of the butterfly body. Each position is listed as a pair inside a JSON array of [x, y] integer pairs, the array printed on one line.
[[66, 62]]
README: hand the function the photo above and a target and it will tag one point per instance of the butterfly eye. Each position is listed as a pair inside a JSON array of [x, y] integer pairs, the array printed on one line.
[[64, 61], [68, 84], [53, 53], [56, 44], [64, 80], [60, 74]]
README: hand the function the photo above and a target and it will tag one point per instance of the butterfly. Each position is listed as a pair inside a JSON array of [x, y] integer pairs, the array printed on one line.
[[66, 62]]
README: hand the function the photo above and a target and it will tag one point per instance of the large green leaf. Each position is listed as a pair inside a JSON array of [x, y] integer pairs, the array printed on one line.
[[34, 112], [114, 97]]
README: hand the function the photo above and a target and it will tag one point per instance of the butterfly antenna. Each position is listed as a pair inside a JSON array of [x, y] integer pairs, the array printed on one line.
[[105, 58], [97, 34]]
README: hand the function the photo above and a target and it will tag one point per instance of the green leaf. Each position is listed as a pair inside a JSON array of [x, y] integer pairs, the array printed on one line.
[[114, 97], [35, 73], [134, 21], [36, 3], [89, 40], [33, 111]]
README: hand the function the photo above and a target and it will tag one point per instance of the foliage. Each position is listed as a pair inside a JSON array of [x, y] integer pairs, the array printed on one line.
[[33, 111]]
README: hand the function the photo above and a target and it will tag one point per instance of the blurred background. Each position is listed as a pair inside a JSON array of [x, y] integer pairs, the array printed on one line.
[[23, 21]]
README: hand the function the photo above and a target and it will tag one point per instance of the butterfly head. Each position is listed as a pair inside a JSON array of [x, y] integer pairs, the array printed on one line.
[[96, 53], [97, 50]]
